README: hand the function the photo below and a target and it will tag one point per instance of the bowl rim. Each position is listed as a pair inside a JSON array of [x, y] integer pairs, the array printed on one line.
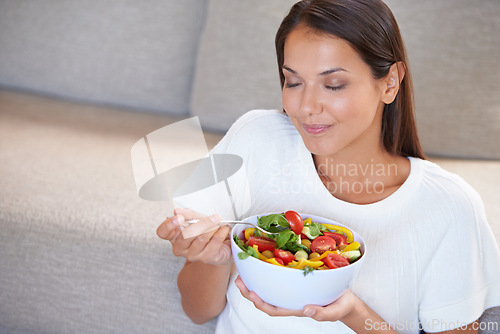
[[251, 258]]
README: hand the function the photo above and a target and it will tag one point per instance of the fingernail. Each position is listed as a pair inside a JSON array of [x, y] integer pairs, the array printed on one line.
[[175, 221], [309, 312]]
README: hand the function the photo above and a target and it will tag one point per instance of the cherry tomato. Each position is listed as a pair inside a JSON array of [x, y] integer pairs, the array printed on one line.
[[284, 255], [333, 261], [295, 221], [340, 239], [280, 261], [322, 244], [262, 243]]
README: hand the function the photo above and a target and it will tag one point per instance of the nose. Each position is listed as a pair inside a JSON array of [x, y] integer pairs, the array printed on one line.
[[310, 102]]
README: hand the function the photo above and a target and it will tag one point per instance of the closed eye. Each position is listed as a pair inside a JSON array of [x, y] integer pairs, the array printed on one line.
[[291, 85], [335, 88]]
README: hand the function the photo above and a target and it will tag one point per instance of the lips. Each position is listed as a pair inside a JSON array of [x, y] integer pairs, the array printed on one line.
[[316, 129]]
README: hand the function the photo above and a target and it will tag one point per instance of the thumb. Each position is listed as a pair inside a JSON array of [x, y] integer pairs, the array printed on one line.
[[311, 311], [320, 313]]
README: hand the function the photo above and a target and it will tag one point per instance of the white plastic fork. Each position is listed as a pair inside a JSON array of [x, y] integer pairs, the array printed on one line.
[[234, 222]]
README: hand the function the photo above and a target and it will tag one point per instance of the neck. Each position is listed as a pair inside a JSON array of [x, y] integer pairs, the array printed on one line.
[[365, 177]]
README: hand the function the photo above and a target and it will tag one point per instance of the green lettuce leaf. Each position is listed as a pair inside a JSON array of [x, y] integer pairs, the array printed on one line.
[[246, 250], [273, 223], [285, 237], [288, 240], [313, 230]]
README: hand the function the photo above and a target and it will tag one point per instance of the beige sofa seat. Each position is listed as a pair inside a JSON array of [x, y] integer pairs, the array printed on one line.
[[78, 249]]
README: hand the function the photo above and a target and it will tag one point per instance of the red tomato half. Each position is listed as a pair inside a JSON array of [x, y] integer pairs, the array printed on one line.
[[262, 243], [335, 261], [284, 255], [322, 244], [295, 221], [340, 239]]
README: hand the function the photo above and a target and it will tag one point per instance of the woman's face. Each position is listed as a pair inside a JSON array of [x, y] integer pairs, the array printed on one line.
[[330, 94]]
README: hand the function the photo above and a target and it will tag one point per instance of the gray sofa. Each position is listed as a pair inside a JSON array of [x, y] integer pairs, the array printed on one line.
[[82, 81]]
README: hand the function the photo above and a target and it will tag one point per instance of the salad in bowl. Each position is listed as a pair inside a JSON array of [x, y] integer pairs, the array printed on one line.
[[304, 259]]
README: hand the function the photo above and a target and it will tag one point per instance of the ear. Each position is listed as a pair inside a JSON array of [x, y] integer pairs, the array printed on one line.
[[392, 81]]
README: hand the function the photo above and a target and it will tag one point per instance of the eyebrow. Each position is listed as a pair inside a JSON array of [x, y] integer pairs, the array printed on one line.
[[329, 71]]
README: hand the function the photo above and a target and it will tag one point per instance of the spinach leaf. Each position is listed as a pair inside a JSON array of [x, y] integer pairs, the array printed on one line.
[[252, 252], [246, 250], [313, 230], [288, 240], [285, 237], [275, 222], [240, 243], [293, 247], [243, 255]]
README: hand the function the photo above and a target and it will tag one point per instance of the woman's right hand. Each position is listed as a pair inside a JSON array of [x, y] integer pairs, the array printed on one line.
[[213, 247]]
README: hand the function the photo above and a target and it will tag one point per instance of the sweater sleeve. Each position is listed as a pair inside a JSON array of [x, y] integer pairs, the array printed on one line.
[[462, 276]]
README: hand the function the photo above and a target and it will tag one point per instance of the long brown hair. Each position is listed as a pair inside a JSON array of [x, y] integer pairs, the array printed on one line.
[[371, 29]]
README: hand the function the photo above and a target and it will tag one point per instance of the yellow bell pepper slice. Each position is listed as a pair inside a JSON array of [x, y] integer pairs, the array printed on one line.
[[249, 232], [352, 246], [273, 261], [346, 231], [307, 221], [304, 263], [261, 257], [322, 256]]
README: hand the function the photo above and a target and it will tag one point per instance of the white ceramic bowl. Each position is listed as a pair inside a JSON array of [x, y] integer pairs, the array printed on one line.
[[288, 287]]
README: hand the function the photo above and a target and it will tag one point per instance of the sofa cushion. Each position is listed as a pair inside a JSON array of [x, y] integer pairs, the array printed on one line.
[[454, 51], [78, 248], [137, 54], [236, 69]]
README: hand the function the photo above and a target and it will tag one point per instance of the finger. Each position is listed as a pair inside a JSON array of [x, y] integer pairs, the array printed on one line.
[[271, 309], [262, 305], [192, 248], [176, 235], [241, 286], [182, 246], [167, 229], [215, 247], [189, 214], [204, 225], [334, 311], [252, 296], [319, 313], [312, 311]]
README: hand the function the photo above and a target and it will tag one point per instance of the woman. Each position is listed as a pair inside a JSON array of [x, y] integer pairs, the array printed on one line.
[[346, 148]]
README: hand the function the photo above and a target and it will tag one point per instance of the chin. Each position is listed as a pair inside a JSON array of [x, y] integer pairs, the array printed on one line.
[[319, 149]]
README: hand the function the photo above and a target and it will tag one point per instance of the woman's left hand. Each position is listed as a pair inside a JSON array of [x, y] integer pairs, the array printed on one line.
[[338, 310]]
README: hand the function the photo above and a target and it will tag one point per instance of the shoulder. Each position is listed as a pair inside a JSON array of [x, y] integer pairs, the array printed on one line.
[[260, 119], [447, 197], [438, 181], [272, 128]]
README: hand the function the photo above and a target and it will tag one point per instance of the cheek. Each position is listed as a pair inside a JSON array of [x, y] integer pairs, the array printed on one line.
[[353, 107], [341, 108], [287, 100]]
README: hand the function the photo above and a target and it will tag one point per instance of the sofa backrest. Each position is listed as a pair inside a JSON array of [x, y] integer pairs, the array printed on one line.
[[216, 59], [135, 54], [454, 51]]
